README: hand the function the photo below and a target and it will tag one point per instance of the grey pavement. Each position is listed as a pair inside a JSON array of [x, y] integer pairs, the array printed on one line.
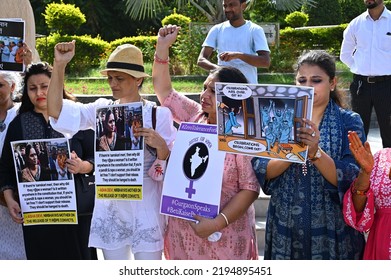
[[374, 139]]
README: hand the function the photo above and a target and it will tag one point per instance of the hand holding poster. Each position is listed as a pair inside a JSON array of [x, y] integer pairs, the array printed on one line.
[[119, 157], [262, 120], [46, 188], [192, 184], [11, 44]]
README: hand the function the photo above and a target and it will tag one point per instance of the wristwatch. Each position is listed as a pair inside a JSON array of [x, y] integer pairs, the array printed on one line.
[[317, 155]]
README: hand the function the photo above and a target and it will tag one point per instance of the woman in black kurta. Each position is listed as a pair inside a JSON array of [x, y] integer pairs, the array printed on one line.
[[42, 242], [82, 143]]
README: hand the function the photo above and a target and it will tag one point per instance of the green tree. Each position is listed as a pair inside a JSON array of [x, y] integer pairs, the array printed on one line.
[[63, 18], [325, 12], [104, 18], [350, 9], [264, 11], [39, 9], [177, 19], [141, 9], [210, 9], [289, 5], [296, 19]]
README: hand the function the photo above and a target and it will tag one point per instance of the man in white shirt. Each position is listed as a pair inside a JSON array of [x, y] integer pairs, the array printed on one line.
[[238, 42], [13, 48], [366, 49], [5, 52]]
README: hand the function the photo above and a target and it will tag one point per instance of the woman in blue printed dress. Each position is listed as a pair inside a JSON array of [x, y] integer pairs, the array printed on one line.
[[305, 219]]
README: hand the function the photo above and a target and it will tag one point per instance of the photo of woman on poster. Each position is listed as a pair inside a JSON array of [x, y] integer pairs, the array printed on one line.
[[32, 171]]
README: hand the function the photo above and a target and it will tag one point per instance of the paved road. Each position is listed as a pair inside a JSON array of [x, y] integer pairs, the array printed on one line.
[[374, 139]]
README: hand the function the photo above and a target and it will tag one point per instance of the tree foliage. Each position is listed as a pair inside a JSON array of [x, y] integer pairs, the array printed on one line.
[[89, 54], [177, 19], [141, 9], [350, 9], [210, 9], [63, 18], [144, 8], [104, 18], [287, 5], [325, 12], [296, 19]]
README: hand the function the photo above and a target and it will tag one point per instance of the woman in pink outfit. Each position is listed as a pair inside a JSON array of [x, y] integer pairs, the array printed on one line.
[[367, 206], [186, 240]]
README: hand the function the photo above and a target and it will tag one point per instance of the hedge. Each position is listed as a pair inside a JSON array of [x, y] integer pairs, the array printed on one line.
[[88, 55], [92, 53]]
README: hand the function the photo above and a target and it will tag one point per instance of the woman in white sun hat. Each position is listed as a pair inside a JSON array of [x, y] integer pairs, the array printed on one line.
[[121, 228]]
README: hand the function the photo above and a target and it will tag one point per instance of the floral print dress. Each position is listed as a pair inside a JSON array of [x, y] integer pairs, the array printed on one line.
[[376, 216], [238, 240]]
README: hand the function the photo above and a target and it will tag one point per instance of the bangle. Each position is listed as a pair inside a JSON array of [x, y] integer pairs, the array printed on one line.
[[161, 61], [225, 218], [354, 190]]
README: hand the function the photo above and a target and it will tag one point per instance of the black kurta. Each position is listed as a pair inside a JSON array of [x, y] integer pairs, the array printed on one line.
[[48, 242]]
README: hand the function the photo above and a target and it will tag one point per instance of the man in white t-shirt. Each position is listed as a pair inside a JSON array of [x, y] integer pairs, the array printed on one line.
[[239, 43]]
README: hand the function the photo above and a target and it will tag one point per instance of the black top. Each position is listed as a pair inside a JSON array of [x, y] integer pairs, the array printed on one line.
[[49, 242], [26, 126]]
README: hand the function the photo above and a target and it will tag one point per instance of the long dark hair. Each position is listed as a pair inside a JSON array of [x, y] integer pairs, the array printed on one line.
[[36, 69], [27, 155], [326, 62], [229, 74], [106, 123]]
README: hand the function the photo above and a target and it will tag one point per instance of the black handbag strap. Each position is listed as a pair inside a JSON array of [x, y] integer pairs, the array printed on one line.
[[149, 148], [154, 117]]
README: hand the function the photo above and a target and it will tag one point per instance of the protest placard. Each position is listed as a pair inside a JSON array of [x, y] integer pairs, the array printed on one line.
[[46, 188], [12, 36], [192, 183], [262, 120], [119, 157]]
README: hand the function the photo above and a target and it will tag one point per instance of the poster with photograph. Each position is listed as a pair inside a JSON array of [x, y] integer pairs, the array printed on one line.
[[12, 36], [46, 188], [119, 156], [262, 120], [192, 183]]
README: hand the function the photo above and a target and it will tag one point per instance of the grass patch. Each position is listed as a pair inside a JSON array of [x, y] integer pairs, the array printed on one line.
[[190, 84], [96, 84]]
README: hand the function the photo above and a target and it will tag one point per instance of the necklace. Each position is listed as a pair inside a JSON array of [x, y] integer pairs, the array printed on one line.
[[304, 168]]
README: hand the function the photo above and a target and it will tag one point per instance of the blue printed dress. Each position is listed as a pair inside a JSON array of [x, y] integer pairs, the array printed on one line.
[[305, 219]]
